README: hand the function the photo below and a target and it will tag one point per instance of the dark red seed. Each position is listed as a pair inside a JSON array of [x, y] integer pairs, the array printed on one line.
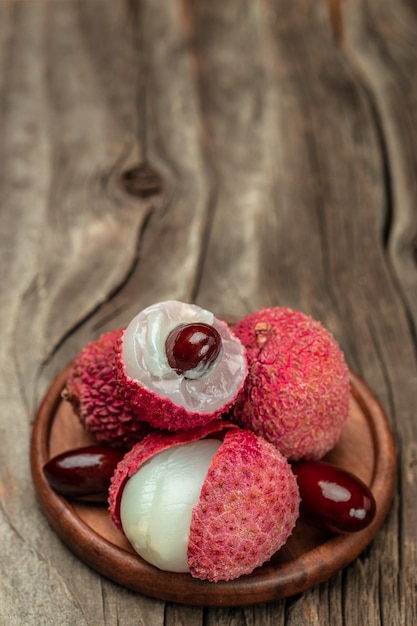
[[83, 472], [193, 347], [333, 498]]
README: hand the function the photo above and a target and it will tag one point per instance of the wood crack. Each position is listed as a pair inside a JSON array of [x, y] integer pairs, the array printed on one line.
[[335, 11]]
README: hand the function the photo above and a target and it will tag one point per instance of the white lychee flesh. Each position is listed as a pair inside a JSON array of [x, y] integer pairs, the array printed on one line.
[[157, 502]]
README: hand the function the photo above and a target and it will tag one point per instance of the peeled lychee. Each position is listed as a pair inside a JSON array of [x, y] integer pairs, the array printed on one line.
[[92, 389], [170, 370], [232, 504], [297, 391]]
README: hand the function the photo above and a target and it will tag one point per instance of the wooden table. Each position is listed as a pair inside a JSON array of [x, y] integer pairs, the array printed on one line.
[[277, 147]]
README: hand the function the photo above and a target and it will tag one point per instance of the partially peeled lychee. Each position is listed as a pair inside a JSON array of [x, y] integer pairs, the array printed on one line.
[[215, 501], [297, 391], [179, 366], [93, 391]]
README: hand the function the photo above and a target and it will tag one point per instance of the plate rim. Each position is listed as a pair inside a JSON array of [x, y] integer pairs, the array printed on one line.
[[268, 583]]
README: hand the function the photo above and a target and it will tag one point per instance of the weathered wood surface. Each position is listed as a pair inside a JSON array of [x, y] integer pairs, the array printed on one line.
[[285, 138]]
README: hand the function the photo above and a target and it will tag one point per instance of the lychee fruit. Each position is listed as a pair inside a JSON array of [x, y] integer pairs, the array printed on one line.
[[297, 391], [215, 501], [92, 389], [179, 366]]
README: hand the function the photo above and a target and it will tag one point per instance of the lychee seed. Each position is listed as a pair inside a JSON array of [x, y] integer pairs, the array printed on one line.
[[192, 349]]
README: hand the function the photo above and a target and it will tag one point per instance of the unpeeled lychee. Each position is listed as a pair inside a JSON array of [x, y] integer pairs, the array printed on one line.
[[297, 391], [246, 509], [92, 389], [171, 397]]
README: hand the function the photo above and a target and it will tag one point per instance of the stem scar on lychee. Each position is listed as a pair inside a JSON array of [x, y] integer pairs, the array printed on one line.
[[192, 349], [262, 332]]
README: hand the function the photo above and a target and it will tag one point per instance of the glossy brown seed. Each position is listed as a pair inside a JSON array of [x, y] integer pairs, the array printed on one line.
[[333, 498], [83, 472], [194, 347]]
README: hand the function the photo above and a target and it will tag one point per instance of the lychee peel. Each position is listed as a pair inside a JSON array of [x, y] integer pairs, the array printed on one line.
[[247, 509], [176, 402], [93, 391], [248, 505], [297, 391]]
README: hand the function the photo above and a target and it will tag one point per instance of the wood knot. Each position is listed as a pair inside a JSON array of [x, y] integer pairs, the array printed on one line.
[[141, 181]]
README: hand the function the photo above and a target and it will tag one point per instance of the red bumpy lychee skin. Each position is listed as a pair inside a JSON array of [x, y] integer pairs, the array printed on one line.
[[175, 402], [297, 391], [248, 504], [94, 393], [247, 509]]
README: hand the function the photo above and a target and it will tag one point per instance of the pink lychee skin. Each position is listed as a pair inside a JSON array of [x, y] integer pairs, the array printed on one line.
[[297, 391], [162, 412], [247, 509], [248, 505], [92, 389]]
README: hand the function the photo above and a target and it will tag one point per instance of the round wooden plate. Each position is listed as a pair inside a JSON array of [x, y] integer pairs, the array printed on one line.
[[309, 557]]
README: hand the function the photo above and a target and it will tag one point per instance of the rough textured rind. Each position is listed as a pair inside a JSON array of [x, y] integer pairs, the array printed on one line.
[[147, 448], [93, 391], [247, 509], [161, 412], [297, 391]]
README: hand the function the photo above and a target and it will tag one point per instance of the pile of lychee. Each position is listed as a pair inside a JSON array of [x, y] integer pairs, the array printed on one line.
[[211, 421]]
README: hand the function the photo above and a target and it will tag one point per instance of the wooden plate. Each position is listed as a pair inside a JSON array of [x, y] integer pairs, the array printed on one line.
[[309, 557]]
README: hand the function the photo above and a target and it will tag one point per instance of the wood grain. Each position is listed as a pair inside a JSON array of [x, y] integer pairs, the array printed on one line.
[[288, 166]]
